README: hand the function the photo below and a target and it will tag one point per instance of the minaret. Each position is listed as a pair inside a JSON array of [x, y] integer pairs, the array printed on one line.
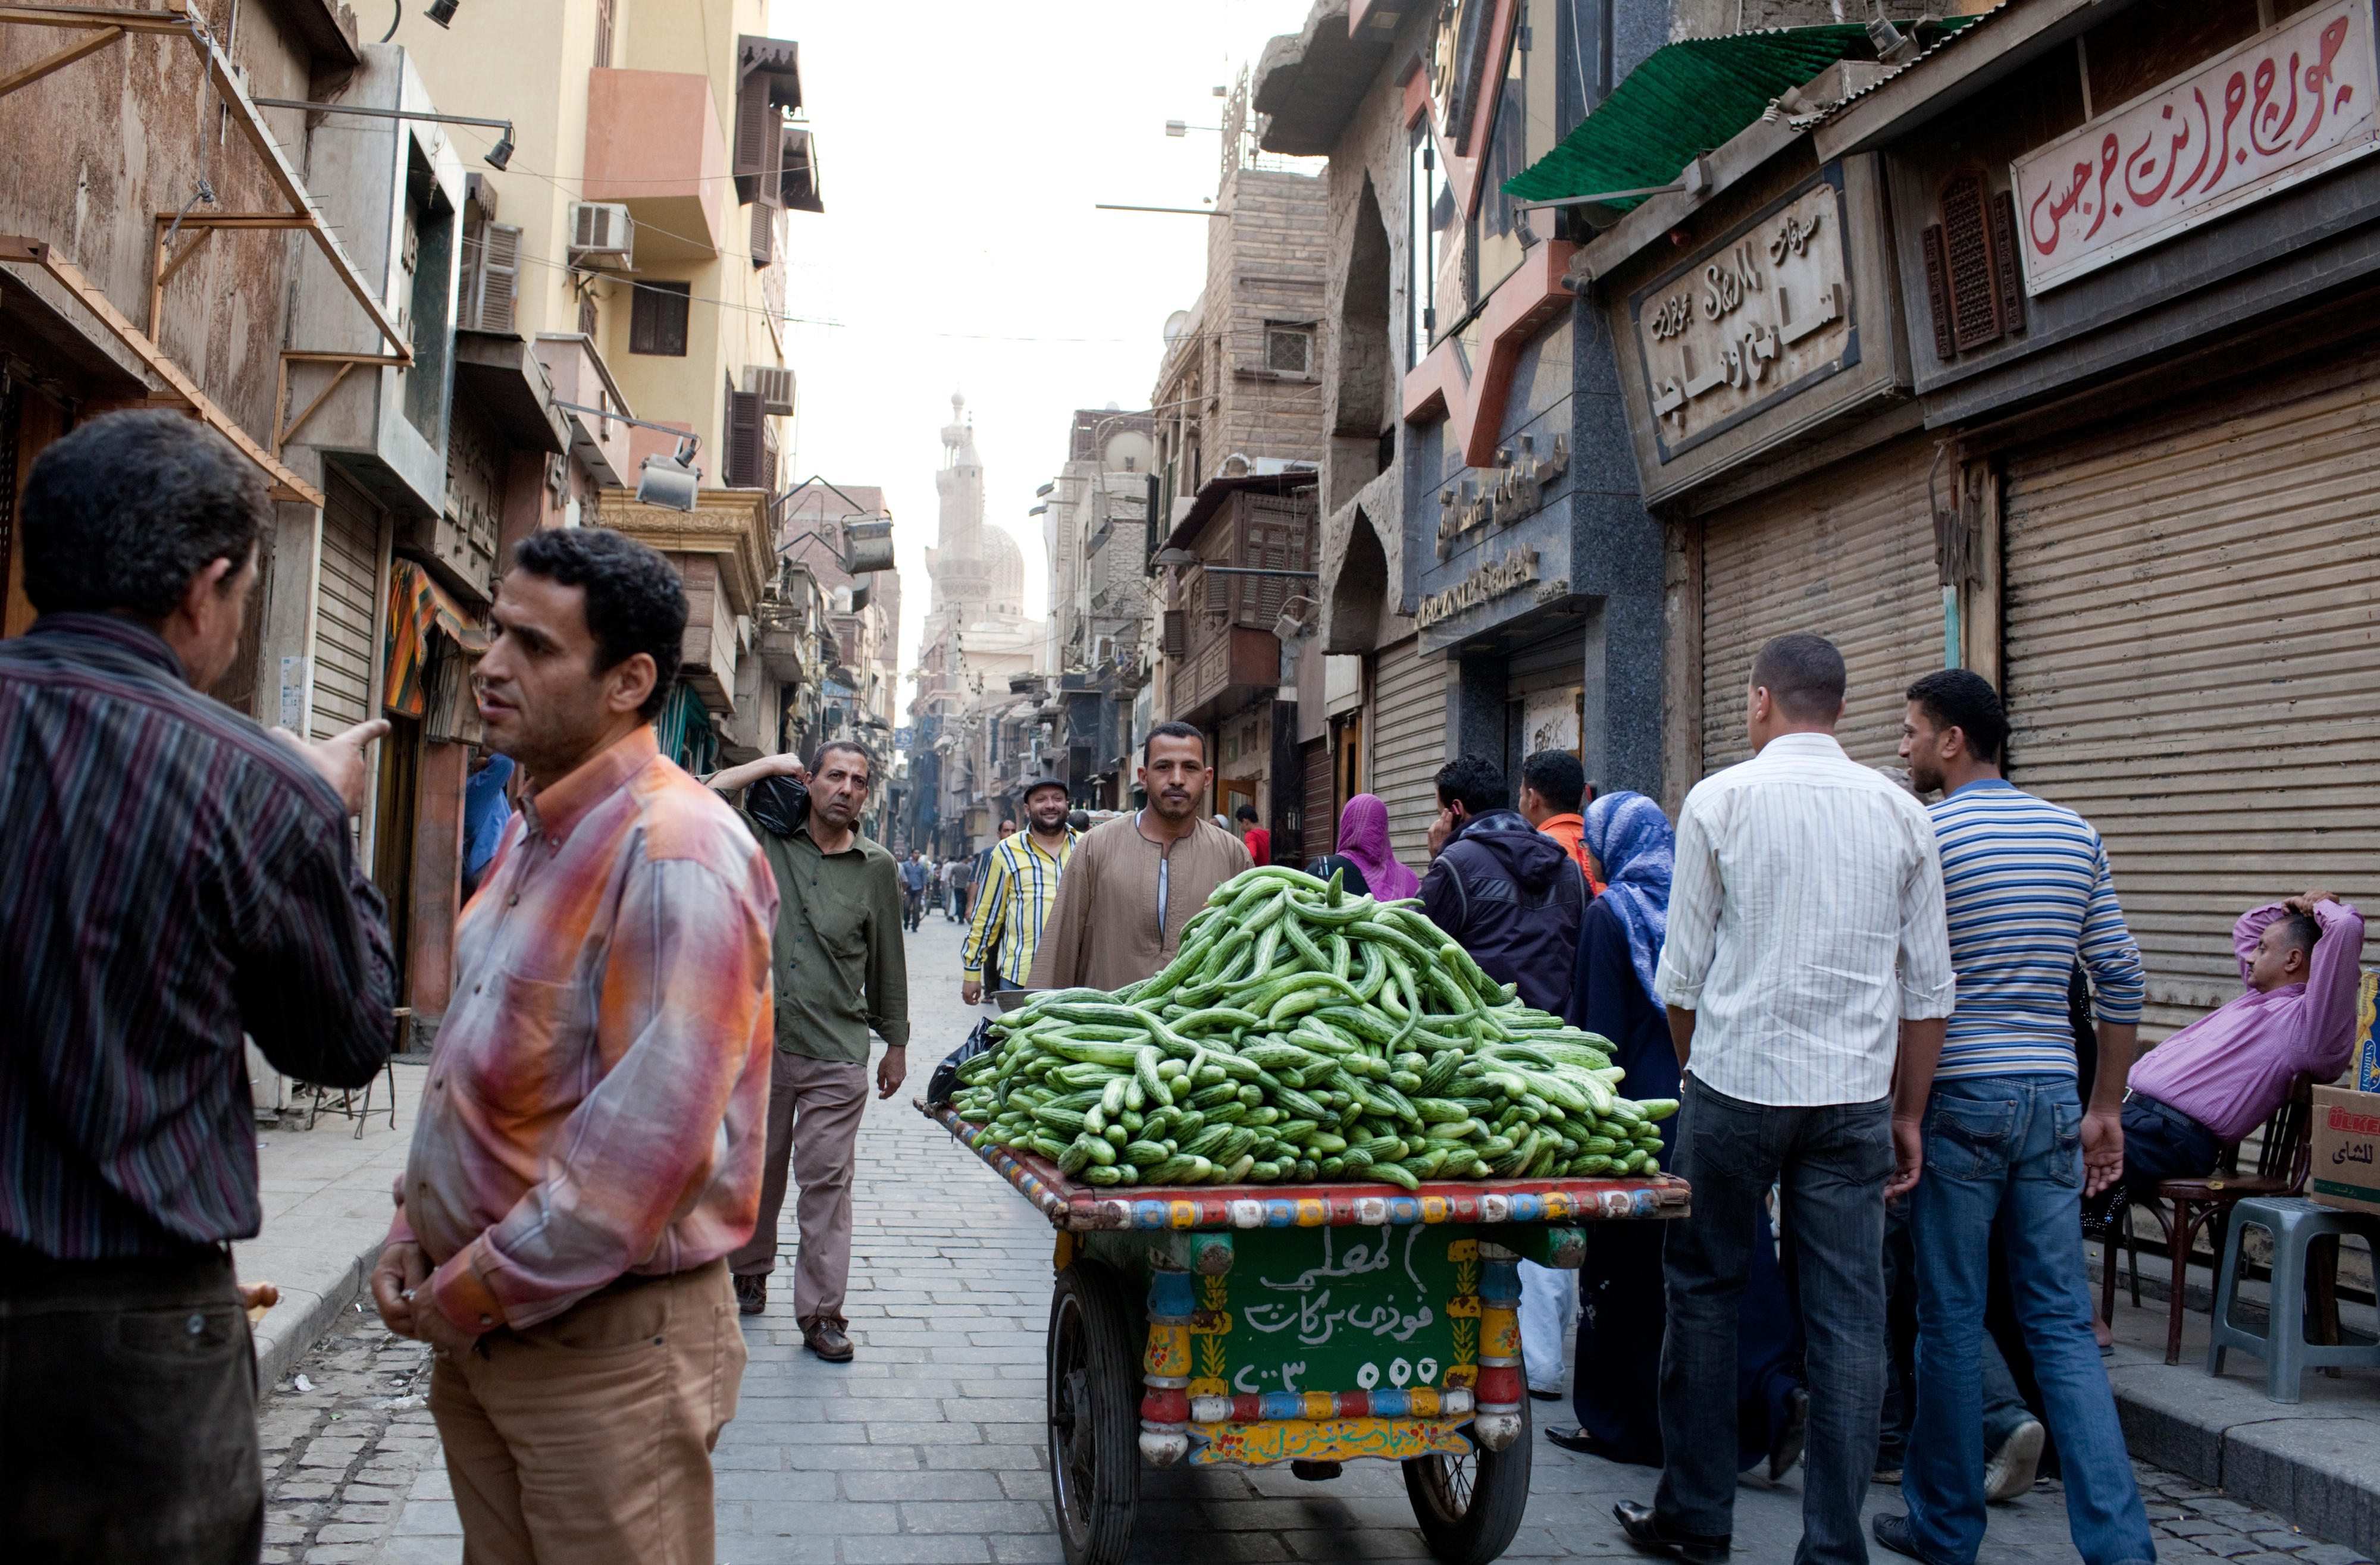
[[961, 581]]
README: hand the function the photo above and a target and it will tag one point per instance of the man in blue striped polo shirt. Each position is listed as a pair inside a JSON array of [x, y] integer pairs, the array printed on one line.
[[2007, 1139]]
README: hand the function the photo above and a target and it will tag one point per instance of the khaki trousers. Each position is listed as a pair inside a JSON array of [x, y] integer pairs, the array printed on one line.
[[828, 1097], [587, 1439]]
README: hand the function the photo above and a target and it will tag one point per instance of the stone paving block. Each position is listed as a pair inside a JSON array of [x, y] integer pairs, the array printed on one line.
[[2192, 1527], [1034, 1457], [1014, 1549], [1151, 1548], [921, 1434], [909, 1549], [775, 1517], [958, 1484], [433, 1516], [2331, 1554], [976, 1516], [2280, 1538], [852, 1459]]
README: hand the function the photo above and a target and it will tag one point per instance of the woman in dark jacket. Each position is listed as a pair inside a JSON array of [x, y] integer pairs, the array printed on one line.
[[1615, 1391]]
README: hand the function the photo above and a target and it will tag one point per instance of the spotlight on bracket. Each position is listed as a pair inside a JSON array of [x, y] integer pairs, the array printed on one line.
[[501, 152], [442, 11], [671, 482]]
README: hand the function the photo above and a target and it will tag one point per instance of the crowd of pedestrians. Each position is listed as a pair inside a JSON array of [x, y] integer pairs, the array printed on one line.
[[1904, 1040]]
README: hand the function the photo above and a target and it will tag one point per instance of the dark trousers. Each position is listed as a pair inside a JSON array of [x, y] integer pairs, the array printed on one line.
[[1832, 1161], [128, 1414], [2159, 1144]]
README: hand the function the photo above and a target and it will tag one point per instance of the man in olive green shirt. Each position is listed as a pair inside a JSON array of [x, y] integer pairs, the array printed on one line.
[[840, 972]]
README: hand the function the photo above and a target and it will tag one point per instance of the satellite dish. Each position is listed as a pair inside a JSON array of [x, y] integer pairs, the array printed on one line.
[[1177, 326]]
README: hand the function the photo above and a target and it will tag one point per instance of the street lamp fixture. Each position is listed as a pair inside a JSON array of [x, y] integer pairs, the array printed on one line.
[[497, 155]]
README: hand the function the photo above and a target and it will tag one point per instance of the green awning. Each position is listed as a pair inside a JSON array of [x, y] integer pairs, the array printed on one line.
[[1692, 97]]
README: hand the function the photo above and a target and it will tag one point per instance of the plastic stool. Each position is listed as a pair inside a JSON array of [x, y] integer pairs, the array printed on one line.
[[2294, 1223]]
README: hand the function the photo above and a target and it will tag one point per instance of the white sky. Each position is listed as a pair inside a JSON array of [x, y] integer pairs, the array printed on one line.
[[961, 149]]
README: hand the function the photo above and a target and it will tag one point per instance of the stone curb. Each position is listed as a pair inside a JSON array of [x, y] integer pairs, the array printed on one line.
[[2319, 1467], [307, 1309]]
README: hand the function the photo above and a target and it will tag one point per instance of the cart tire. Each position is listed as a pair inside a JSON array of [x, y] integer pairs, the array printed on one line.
[[1469, 1507], [1094, 1399]]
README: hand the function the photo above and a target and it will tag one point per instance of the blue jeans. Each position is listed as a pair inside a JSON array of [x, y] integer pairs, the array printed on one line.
[[2004, 1409], [1833, 1161], [2009, 1148]]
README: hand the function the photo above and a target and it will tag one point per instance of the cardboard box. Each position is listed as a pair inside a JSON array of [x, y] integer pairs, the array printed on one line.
[[2346, 1136]]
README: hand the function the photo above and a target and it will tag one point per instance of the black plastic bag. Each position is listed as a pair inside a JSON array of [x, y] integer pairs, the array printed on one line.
[[945, 1079], [778, 804]]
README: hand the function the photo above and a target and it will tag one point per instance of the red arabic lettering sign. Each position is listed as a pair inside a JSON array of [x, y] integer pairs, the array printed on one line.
[[2289, 103]]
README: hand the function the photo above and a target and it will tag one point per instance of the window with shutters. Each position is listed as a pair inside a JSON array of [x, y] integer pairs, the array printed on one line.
[[769, 84], [746, 432], [1972, 284], [490, 288], [657, 317], [590, 321], [602, 33], [764, 233], [1177, 633]]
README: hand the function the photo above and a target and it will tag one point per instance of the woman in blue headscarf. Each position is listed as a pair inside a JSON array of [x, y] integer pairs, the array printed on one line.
[[1615, 1391]]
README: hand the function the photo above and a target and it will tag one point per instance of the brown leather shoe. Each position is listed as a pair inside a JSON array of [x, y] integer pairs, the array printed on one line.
[[752, 1293], [825, 1337]]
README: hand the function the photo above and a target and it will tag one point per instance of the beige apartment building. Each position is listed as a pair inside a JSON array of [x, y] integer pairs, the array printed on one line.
[[636, 238]]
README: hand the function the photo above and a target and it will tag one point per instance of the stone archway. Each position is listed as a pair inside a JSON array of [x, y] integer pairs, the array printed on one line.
[[1363, 369], [1359, 593]]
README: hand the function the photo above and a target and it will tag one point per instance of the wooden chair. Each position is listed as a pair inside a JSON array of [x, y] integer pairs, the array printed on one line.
[[2283, 1160]]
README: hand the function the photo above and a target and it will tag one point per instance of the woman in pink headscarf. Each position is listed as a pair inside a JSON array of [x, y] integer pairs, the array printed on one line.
[[1363, 852]]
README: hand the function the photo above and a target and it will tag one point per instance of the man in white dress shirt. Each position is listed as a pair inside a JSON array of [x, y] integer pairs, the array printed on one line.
[[1806, 952]]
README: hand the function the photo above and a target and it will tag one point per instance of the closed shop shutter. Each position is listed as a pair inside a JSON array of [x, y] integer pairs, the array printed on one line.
[[1408, 745], [2191, 660], [1847, 553], [1545, 692], [1320, 811], [343, 609]]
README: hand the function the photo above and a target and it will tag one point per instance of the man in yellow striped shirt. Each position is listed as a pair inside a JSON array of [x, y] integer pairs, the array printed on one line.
[[1018, 888]]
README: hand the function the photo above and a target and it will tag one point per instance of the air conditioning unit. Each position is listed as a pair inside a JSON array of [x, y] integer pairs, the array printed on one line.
[[600, 230], [774, 384]]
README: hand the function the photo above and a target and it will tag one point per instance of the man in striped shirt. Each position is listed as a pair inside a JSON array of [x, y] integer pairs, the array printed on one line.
[[171, 876], [1019, 884], [2008, 1142]]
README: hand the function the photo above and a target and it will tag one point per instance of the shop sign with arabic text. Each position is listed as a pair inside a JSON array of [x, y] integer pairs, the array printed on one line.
[[2277, 110], [1762, 314]]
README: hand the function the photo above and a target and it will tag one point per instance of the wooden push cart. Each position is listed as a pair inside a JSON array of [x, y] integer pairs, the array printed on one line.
[[1250, 1324]]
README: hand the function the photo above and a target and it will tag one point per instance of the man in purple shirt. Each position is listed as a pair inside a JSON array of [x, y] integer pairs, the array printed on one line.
[[2219, 1077]]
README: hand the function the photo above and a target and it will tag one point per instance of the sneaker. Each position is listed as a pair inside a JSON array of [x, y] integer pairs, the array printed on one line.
[[1785, 1451], [2010, 1470], [1893, 1533], [752, 1293]]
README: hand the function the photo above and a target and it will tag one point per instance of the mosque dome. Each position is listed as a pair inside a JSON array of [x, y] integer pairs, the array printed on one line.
[[1004, 563]]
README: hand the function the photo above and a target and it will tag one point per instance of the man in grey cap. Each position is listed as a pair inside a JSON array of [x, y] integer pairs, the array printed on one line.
[[1018, 886]]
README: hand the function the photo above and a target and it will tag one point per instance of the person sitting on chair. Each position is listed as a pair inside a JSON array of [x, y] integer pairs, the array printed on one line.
[[2221, 1076]]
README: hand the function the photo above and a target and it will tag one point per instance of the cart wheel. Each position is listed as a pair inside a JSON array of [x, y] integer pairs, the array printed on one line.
[[1469, 1507], [1094, 1414]]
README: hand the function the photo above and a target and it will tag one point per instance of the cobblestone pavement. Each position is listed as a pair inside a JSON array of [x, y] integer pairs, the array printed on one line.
[[929, 1447]]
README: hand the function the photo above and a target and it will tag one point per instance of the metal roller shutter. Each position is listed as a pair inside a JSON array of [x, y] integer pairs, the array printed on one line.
[[1408, 745], [1848, 554], [1320, 812], [2192, 660], [344, 610]]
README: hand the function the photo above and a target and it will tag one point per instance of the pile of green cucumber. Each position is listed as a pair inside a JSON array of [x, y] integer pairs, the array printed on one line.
[[1300, 1034]]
